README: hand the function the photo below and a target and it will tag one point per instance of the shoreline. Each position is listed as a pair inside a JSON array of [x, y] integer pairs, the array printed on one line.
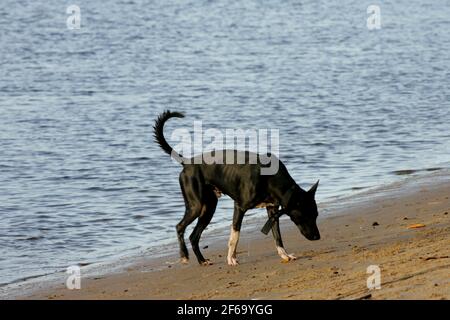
[[413, 262]]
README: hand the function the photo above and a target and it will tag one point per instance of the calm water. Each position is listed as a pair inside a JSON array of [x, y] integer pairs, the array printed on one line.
[[81, 179]]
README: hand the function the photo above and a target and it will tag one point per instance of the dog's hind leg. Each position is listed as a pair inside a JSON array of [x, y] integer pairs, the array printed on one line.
[[208, 209], [234, 235], [191, 188], [272, 211], [189, 216]]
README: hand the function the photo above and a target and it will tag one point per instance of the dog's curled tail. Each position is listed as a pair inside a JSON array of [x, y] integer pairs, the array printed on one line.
[[158, 133]]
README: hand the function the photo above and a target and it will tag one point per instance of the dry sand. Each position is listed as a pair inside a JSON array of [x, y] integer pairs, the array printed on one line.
[[414, 263]]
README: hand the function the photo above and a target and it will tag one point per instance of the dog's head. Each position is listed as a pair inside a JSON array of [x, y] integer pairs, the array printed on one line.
[[302, 209]]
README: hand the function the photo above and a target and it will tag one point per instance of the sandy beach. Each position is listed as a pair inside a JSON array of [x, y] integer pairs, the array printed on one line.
[[371, 228]]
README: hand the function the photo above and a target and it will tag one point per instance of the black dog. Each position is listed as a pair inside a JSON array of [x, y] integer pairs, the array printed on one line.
[[202, 181]]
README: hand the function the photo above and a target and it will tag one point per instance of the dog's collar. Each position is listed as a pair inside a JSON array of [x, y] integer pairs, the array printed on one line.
[[284, 203], [268, 225]]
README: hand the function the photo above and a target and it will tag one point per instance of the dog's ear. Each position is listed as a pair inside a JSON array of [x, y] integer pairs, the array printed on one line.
[[314, 188]]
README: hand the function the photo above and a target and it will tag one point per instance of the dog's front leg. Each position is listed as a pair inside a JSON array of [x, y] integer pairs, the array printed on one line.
[[271, 211], [234, 235], [232, 245]]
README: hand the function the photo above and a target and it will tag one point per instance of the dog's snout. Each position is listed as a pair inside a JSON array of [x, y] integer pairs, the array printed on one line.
[[311, 235]]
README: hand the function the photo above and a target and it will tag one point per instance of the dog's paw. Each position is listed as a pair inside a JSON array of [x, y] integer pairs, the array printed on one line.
[[292, 257], [284, 255], [207, 262], [232, 261], [184, 260], [288, 257]]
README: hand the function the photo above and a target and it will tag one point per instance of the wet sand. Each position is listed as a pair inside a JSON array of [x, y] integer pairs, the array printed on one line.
[[369, 229]]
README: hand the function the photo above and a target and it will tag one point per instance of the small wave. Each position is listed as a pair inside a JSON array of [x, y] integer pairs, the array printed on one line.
[[413, 171], [32, 238], [107, 189], [404, 172]]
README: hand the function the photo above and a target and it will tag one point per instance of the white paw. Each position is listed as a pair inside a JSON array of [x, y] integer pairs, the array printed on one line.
[[284, 255], [292, 257], [184, 260], [232, 261], [288, 257]]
